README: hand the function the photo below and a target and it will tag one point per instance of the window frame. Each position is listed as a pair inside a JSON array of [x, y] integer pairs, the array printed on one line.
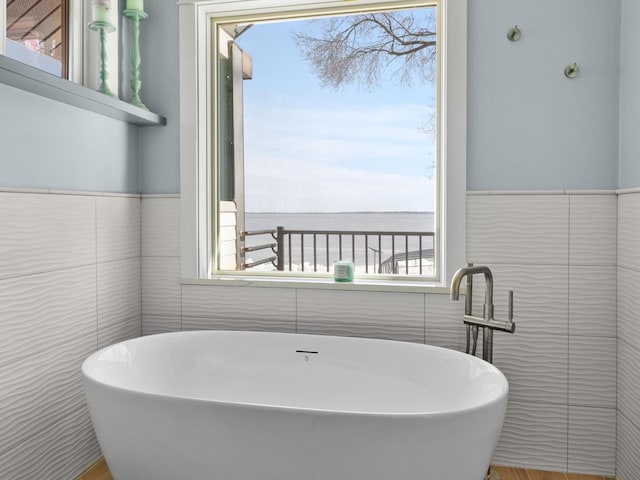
[[197, 107], [83, 48]]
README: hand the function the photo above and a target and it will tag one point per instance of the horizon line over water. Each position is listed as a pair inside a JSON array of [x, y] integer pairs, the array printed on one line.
[[387, 221], [343, 212]]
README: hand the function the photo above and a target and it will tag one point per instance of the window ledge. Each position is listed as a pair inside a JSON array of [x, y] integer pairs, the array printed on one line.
[[25, 77], [319, 283]]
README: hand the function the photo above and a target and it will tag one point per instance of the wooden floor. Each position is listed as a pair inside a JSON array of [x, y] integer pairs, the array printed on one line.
[[100, 471], [97, 471], [510, 473]]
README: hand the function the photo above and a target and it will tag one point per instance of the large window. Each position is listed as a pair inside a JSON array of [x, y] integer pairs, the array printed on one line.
[[323, 135], [54, 36], [327, 143], [37, 34]]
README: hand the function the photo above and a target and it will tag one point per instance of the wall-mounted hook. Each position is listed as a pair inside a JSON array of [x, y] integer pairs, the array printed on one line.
[[572, 71], [514, 34]]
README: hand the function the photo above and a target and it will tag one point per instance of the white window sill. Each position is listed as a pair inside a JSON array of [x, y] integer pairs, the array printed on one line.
[[319, 283], [25, 77]]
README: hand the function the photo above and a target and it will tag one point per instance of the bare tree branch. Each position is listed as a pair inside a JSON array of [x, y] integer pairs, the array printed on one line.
[[363, 48]]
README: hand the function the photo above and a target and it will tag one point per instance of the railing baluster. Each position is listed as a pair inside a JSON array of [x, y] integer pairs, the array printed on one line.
[[366, 253], [379, 253], [289, 252], [406, 254], [280, 247], [420, 247], [315, 259], [340, 246], [302, 251], [353, 248], [327, 253], [393, 253]]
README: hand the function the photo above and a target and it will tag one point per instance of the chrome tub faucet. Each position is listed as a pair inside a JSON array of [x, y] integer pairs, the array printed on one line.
[[487, 321]]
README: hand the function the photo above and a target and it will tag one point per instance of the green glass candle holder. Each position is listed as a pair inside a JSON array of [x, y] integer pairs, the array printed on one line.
[[103, 28], [135, 16]]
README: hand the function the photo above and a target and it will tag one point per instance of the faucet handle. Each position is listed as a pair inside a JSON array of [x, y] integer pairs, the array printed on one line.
[[510, 307]]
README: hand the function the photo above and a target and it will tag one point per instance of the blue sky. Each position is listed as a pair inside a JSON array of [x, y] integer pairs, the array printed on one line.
[[310, 148]]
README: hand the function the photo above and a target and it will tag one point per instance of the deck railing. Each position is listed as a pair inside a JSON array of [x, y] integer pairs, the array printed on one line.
[[317, 250]]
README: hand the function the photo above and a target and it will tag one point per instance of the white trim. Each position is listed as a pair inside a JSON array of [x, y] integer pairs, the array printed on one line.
[[196, 106], [191, 203], [159, 195], [541, 192], [3, 26], [454, 144], [79, 193], [590, 192], [624, 191], [318, 284], [77, 25]]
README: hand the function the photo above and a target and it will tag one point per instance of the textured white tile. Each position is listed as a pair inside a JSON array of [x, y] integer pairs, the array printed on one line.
[[255, 324], [534, 435], [118, 226], [629, 381], [592, 371], [42, 389], [45, 232], [444, 326], [629, 231], [442, 312], [161, 227], [161, 286], [592, 229], [119, 291], [628, 460], [629, 306], [60, 451], [535, 365], [592, 440], [264, 308], [358, 313], [118, 332], [397, 332], [39, 312], [454, 339], [540, 297], [592, 301], [152, 325], [523, 229]]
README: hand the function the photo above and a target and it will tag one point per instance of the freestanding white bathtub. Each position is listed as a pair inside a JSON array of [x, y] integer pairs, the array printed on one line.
[[271, 406]]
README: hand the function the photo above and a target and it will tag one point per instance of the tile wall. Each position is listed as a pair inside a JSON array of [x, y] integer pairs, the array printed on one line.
[[556, 251], [558, 254], [70, 281], [629, 336], [78, 272]]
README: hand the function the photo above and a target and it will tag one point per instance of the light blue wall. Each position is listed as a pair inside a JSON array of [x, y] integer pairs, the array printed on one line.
[[161, 93], [529, 126], [48, 144], [629, 173]]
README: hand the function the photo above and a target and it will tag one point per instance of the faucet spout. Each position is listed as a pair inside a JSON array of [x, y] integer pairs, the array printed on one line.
[[454, 291]]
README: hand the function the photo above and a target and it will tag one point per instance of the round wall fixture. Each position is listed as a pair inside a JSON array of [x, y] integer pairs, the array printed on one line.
[[514, 34], [572, 71]]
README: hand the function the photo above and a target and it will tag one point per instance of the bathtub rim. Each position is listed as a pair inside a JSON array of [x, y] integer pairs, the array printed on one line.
[[502, 397]]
